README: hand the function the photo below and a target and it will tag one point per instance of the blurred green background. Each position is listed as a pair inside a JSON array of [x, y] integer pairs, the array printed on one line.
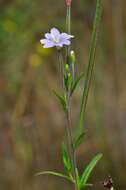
[[31, 121]]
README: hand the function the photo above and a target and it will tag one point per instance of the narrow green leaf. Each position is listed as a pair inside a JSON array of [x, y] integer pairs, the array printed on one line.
[[62, 100], [78, 177], [66, 160], [54, 174], [87, 172], [78, 139], [76, 83], [91, 61], [68, 80]]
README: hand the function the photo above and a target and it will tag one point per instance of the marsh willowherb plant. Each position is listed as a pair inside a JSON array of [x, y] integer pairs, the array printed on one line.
[[70, 81]]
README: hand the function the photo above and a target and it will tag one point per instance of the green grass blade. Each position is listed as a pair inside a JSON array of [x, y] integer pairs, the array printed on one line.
[[90, 62], [87, 172], [54, 174]]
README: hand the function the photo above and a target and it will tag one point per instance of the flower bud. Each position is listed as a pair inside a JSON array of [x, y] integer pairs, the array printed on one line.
[[68, 2], [67, 68], [69, 80], [72, 57], [69, 75]]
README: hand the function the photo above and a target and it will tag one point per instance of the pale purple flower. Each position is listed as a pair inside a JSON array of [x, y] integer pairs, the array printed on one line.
[[55, 38]]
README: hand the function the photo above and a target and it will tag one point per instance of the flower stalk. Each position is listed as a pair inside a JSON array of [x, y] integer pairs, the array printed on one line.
[[69, 96], [66, 70], [68, 27]]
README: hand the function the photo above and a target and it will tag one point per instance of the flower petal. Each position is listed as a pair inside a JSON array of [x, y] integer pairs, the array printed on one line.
[[66, 42], [43, 41], [48, 36], [55, 32], [63, 42], [66, 36], [59, 44], [47, 43]]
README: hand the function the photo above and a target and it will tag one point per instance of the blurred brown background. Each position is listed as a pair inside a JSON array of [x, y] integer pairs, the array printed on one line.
[[31, 121]]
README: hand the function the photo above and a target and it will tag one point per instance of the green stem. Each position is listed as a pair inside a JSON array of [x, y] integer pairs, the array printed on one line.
[[68, 97], [69, 123], [69, 132], [68, 20], [68, 27], [61, 67]]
